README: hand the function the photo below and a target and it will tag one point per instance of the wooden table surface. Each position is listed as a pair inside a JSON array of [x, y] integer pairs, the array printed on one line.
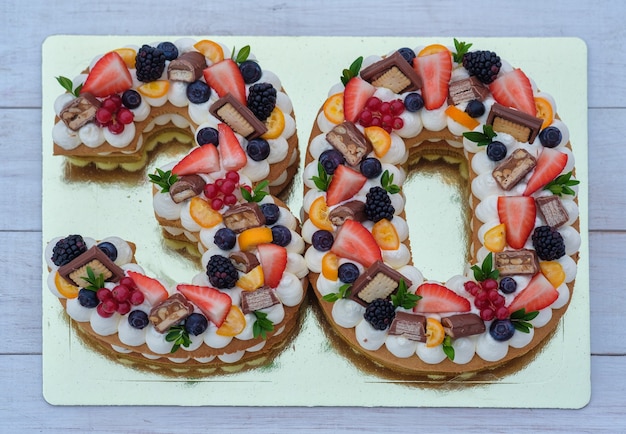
[[27, 24]]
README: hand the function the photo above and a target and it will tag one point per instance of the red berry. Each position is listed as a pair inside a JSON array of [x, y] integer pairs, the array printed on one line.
[[230, 199], [121, 293], [247, 188], [115, 99], [490, 284], [102, 312], [123, 308], [110, 105], [227, 187], [492, 295], [387, 120], [217, 204], [219, 183], [211, 191], [487, 314], [125, 116], [482, 296], [103, 294], [104, 116], [109, 305], [116, 127], [481, 304], [373, 103], [376, 122], [136, 297], [385, 108], [233, 176], [397, 107], [502, 312], [127, 281], [397, 123], [498, 302], [366, 118]]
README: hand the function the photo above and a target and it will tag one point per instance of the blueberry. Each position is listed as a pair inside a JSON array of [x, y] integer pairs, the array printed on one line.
[[258, 149], [271, 213], [198, 92], [109, 249], [371, 168], [196, 323], [550, 137], [169, 50], [508, 285], [225, 239], [496, 151], [348, 272], [281, 235], [138, 319], [475, 108], [408, 54], [251, 71], [131, 99], [331, 159], [502, 329], [413, 102], [207, 135], [88, 298], [322, 240]]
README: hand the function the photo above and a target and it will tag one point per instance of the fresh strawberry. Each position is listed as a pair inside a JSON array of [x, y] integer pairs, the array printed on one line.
[[212, 302], [513, 89], [518, 215], [537, 295], [438, 298], [225, 77], [550, 164], [153, 291], [355, 242], [203, 159], [273, 260], [108, 76], [435, 71], [232, 155], [356, 93], [344, 185]]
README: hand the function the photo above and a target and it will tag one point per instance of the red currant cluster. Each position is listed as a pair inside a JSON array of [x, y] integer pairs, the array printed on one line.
[[119, 299], [488, 299], [222, 191], [112, 115], [377, 113]]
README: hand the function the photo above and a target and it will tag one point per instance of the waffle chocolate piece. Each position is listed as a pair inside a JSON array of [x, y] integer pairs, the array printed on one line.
[[394, 73], [378, 281], [522, 126]]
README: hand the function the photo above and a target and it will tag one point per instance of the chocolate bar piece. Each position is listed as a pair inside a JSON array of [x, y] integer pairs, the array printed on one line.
[[378, 281], [260, 299], [187, 67], [409, 326], [462, 325], [353, 210], [351, 142], [186, 187], [394, 73], [170, 312], [552, 210], [80, 111], [516, 262], [514, 168], [467, 89], [244, 261], [522, 126], [239, 117], [76, 271], [245, 216]]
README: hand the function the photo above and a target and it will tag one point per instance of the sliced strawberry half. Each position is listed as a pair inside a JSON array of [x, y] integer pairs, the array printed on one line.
[[550, 164], [518, 215], [344, 185], [203, 159], [538, 295], [232, 155], [273, 260], [355, 242], [108, 76], [213, 303], [513, 89], [435, 71], [355, 95], [438, 298], [153, 291], [225, 77]]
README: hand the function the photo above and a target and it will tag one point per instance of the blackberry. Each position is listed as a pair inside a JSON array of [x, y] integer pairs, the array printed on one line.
[[380, 313], [262, 100], [67, 249], [221, 271], [548, 243], [485, 65], [378, 205], [150, 63]]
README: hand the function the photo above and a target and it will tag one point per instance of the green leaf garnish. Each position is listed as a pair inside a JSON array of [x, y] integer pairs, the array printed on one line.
[[404, 298], [322, 180], [179, 335], [485, 271], [448, 349], [242, 55], [386, 181], [95, 282], [163, 179], [344, 292], [461, 48], [67, 84], [520, 319], [561, 185], [257, 194], [352, 71], [262, 325], [481, 139]]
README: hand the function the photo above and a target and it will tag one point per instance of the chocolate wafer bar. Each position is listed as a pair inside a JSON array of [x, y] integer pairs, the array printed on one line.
[[552, 210], [394, 73], [378, 281], [409, 326], [466, 89], [239, 117], [522, 126], [95, 259], [260, 299]]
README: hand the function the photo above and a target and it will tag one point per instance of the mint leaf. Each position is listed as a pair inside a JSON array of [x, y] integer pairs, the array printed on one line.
[[520, 319], [352, 71], [461, 49], [95, 282], [67, 84], [386, 181], [262, 325], [485, 270], [322, 180], [481, 139], [403, 298], [561, 185], [179, 335], [163, 179], [447, 347], [344, 292], [242, 55], [257, 194]]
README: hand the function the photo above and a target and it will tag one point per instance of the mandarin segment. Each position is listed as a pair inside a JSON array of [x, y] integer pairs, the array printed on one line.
[[318, 213], [553, 271], [544, 111], [211, 50], [275, 124], [385, 234], [432, 49], [154, 89], [252, 280], [461, 117], [333, 108], [250, 238], [435, 333], [381, 140], [65, 288], [330, 266], [234, 323], [495, 238], [202, 213], [128, 55]]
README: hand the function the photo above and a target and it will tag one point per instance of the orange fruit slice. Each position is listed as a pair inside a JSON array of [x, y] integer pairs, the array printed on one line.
[[65, 288], [495, 238], [128, 55], [435, 333], [252, 280], [234, 323], [154, 89], [333, 108], [432, 49], [381, 140], [318, 213], [461, 117], [553, 271], [250, 238], [202, 213], [211, 50], [275, 124], [544, 111], [330, 266], [385, 234]]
